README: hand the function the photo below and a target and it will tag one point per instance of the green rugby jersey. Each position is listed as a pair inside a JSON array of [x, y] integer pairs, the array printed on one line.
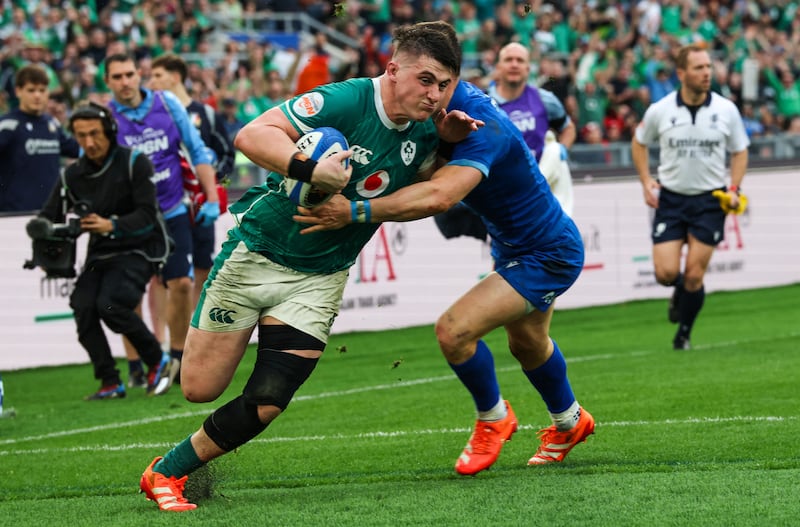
[[386, 157]]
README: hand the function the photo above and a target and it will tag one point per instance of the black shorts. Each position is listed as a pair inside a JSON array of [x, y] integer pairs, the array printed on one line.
[[203, 246], [179, 263], [679, 215]]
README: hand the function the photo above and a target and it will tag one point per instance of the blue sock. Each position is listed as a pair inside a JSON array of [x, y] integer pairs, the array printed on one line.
[[550, 379], [179, 461], [478, 375]]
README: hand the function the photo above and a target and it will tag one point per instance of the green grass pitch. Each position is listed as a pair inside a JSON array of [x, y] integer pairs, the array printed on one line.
[[705, 437]]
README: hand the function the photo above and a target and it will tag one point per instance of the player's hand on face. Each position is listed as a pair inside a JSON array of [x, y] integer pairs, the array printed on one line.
[[329, 216], [330, 174], [455, 125]]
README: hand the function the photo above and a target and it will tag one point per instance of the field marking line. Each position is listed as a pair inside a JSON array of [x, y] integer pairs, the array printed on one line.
[[377, 387], [398, 433], [299, 398]]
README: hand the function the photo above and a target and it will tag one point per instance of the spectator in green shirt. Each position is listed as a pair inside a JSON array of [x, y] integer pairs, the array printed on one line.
[[787, 91], [592, 104]]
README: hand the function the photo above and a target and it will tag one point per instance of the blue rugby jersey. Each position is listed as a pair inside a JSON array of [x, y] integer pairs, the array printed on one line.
[[31, 147], [514, 199]]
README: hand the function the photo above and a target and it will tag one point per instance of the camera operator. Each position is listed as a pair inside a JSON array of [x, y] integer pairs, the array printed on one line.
[[110, 188]]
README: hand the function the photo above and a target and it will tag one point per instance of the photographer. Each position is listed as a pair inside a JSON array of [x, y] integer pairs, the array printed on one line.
[[110, 189]]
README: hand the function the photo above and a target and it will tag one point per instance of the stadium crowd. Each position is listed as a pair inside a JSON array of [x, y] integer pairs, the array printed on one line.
[[605, 60]]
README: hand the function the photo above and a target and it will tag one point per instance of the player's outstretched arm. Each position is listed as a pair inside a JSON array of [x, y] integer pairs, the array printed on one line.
[[447, 187]]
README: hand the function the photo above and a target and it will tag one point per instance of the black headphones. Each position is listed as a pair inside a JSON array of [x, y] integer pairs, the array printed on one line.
[[92, 110]]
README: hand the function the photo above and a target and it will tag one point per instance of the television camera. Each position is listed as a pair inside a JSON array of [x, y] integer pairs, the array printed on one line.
[[54, 244]]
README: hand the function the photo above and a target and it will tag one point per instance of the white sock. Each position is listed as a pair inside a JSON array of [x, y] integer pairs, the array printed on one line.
[[496, 413], [567, 419]]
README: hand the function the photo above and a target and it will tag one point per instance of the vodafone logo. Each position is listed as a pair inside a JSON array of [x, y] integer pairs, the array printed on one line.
[[373, 185], [309, 104]]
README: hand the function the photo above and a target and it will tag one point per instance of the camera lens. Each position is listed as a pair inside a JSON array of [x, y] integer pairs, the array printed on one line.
[[39, 228]]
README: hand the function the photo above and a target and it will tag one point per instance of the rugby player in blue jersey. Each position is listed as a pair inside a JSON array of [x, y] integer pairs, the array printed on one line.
[[538, 254]]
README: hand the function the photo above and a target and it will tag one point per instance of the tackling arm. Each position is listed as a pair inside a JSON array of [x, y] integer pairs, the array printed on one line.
[[449, 185]]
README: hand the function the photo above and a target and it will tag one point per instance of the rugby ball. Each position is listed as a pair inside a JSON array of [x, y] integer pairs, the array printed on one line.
[[317, 144]]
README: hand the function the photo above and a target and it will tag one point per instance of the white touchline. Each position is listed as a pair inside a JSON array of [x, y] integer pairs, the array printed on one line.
[[395, 433], [399, 384], [299, 398]]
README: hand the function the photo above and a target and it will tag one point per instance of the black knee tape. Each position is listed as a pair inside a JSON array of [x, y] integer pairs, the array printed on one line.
[[287, 338], [234, 424], [276, 377]]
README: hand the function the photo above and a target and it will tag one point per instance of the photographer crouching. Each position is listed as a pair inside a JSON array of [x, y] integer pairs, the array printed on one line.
[[110, 190]]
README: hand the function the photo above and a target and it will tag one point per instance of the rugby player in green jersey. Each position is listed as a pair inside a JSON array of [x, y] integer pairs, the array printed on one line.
[[290, 286]]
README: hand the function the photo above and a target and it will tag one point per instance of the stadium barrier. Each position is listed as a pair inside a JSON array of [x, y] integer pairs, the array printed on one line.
[[408, 274]]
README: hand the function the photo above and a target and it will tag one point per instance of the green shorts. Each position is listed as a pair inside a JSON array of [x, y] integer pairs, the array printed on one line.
[[244, 287]]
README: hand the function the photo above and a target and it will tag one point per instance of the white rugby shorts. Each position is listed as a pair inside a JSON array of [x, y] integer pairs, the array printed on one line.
[[243, 287]]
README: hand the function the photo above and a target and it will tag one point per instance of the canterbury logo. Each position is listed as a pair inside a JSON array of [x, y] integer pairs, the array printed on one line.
[[360, 155], [223, 316]]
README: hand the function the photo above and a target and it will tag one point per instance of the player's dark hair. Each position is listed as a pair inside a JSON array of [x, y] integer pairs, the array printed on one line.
[[94, 111], [118, 57], [172, 63], [437, 40], [682, 60], [31, 74]]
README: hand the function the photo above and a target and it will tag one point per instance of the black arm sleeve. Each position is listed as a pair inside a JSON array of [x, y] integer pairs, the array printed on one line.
[[143, 191]]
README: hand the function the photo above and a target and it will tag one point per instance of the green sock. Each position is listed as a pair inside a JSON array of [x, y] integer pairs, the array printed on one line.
[[179, 461]]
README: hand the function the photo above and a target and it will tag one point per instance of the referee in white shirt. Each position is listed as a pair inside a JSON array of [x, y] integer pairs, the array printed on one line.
[[695, 128]]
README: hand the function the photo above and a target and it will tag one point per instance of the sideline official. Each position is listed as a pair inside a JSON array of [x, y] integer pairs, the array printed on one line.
[[696, 129]]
